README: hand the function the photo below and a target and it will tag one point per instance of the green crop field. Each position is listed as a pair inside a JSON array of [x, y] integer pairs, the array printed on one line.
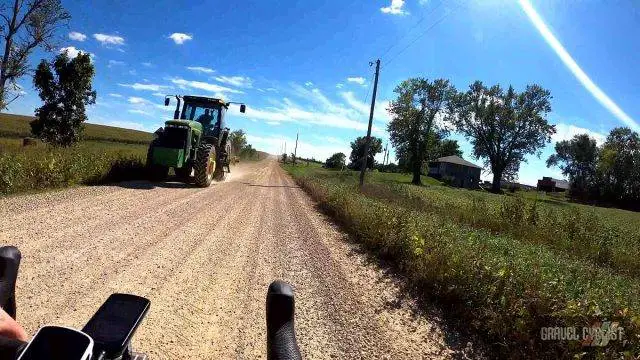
[[507, 265], [106, 154], [17, 126]]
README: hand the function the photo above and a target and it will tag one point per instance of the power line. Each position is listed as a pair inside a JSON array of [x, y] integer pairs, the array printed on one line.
[[441, 19], [424, 16], [366, 96]]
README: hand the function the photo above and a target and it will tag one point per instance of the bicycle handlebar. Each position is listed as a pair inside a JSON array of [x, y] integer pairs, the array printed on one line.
[[281, 335], [280, 312], [9, 263]]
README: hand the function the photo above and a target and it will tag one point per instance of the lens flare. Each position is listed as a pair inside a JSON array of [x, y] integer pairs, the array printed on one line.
[[574, 67]]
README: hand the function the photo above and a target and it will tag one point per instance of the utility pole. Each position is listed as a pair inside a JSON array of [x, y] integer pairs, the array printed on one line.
[[363, 167], [295, 150], [384, 157]]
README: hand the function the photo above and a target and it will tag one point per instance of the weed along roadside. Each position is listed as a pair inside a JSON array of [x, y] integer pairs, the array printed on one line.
[[465, 251]]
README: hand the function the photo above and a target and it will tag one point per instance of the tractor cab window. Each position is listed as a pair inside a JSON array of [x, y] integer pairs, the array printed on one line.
[[205, 115]]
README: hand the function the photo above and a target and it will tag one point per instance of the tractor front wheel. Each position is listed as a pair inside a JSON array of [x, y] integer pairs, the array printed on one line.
[[219, 173], [205, 165]]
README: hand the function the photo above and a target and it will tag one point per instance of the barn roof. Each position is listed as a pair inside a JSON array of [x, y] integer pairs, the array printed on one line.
[[454, 159]]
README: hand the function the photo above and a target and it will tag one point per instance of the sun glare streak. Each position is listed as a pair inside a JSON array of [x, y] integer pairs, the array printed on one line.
[[574, 67]]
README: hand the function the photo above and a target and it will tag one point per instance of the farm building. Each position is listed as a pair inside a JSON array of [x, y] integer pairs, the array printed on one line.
[[455, 171], [550, 184]]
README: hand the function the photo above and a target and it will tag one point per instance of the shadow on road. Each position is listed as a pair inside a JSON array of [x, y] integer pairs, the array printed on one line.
[[147, 185], [270, 186]]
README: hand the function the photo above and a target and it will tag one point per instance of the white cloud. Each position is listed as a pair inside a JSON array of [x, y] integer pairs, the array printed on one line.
[[138, 100], [320, 112], [180, 38], [568, 131], [72, 52], [115, 95], [139, 111], [380, 112], [575, 69], [145, 87], [158, 94], [350, 98], [201, 69], [308, 84], [115, 63], [183, 84], [74, 35], [339, 85], [105, 39], [358, 80], [239, 81], [273, 123], [395, 8], [147, 64]]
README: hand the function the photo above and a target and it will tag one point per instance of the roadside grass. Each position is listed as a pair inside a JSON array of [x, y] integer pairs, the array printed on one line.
[[507, 265], [17, 126], [40, 166]]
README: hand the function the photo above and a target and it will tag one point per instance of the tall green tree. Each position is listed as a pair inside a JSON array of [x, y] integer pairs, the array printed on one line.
[[437, 146], [25, 26], [64, 93], [238, 140], [336, 161], [357, 151], [578, 160], [503, 126], [619, 166], [418, 104]]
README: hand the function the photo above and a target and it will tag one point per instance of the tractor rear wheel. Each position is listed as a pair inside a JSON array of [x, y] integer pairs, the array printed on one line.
[[205, 164]]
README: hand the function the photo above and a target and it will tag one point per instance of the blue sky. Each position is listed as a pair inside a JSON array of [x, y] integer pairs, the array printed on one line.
[[303, 66]]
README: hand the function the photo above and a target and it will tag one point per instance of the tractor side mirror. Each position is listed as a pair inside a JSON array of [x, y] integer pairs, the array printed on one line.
[[166, 101], [243, 108]]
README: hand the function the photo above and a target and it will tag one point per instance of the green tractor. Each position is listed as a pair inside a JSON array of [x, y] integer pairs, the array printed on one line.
[[195, 141]]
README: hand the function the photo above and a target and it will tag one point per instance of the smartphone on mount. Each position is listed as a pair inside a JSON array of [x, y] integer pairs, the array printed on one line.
[[58, 343], [115, 322]]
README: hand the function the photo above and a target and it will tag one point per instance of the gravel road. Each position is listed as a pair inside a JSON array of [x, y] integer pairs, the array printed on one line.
[[205, 257]]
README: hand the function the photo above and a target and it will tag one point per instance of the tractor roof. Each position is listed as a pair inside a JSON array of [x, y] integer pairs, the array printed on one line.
[[204, 100]]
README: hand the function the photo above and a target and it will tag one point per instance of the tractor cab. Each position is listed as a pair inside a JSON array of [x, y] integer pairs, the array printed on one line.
[[208, 112]]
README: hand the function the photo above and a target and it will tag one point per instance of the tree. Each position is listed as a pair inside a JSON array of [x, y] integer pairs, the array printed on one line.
[[238, 140], [357, 151], [578, 159], [414, 112], [437, 146], [284, 158], [336, 161], [248, 152], [503, 127], [447, 147], [619, 166], [28, 25], [65, 94]]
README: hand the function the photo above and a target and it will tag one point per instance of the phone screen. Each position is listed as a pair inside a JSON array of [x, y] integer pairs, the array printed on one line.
[[114, 322], [57, 343]]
